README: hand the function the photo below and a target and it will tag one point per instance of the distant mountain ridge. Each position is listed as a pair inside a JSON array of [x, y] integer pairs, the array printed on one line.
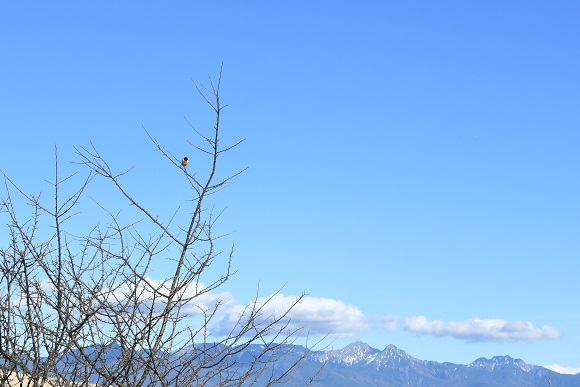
[[358, 364], [360, 352]]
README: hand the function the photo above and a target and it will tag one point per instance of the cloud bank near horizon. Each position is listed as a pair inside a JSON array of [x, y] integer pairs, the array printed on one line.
[[481, 330], [324, 315], [312, 315], [563, 369], [327, 316]]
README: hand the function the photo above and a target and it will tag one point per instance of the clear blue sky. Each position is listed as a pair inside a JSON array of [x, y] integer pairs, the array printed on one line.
[[413, 166]]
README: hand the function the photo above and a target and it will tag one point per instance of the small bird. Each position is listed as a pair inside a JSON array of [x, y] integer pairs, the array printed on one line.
[[184, 161]]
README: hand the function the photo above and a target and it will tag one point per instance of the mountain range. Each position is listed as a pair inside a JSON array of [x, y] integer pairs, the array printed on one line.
[[358, 365]]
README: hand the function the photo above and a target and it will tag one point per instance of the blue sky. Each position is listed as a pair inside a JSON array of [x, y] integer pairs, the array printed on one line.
[[413, 166]]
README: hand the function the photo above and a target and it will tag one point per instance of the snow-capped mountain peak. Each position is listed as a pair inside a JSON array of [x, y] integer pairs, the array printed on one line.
[[351, 354], [360, 353], [499, 361]]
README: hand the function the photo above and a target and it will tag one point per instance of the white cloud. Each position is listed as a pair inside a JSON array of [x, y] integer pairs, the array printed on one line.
[[563, 370], [389, 323], [478, 330], [194, 299], [316, 315]]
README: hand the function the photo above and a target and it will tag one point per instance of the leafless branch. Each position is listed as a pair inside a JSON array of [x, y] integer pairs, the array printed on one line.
[[80, 308]]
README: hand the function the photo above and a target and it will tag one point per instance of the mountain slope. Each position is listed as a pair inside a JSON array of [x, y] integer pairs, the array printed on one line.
[[357, 364], [360, 365]]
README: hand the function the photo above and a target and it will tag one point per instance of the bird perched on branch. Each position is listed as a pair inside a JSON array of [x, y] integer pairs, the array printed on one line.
[[184, 161]]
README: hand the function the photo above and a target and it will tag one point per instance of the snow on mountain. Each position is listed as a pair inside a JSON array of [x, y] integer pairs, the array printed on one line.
[[499, 361], [360, 353], [354, 353], [358, 364]]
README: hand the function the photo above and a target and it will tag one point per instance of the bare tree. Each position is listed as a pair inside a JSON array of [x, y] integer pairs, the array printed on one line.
[[79, 309]]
